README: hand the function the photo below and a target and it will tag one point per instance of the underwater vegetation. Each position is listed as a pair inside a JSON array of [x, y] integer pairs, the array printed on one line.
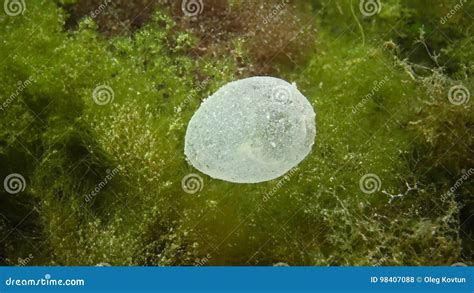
[[251, 130], [96, 97]]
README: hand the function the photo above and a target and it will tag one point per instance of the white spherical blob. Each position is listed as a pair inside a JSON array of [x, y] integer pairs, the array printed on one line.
[[251, 130]]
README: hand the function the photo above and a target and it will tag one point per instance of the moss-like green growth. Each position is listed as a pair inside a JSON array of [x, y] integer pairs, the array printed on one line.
[[95, 124]]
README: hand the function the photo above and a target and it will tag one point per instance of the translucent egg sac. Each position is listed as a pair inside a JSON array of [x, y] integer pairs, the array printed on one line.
[[251, 130]]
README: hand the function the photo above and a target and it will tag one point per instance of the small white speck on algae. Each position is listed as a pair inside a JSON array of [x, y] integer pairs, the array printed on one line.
[[251, 130]]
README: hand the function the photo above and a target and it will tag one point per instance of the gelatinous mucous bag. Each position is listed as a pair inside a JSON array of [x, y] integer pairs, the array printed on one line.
[[251, 130]]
